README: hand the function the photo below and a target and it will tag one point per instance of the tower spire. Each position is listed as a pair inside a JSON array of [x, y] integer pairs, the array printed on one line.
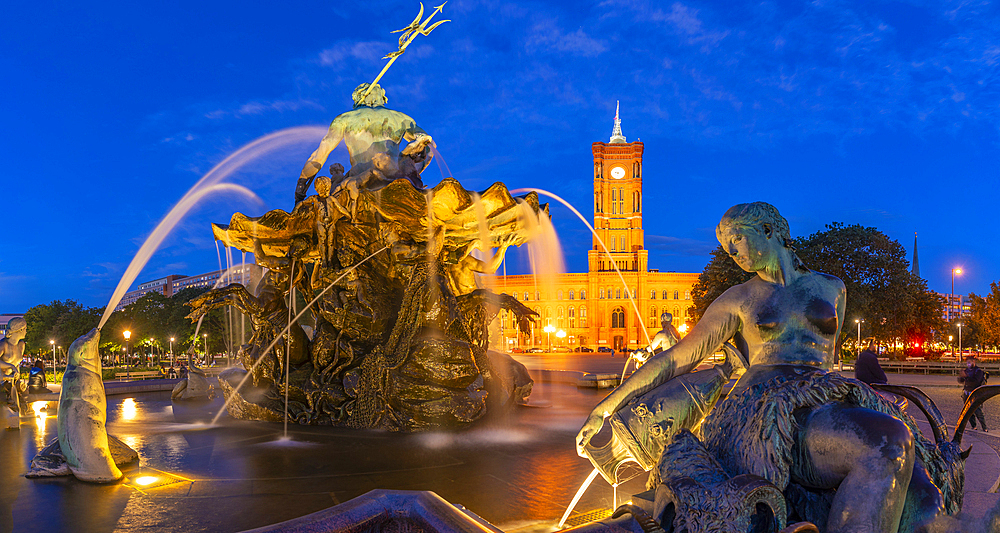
[[616, 134], [915, 269]]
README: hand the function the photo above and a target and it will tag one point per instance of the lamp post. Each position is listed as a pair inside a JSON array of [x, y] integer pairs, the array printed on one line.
[[127, 335], [173, 359], [952, 301], [561, 334], [960, 354], [52, 343], [204, 346], [548, 329]]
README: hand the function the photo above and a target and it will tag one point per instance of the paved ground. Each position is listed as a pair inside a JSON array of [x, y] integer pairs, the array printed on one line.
[[518, 471]]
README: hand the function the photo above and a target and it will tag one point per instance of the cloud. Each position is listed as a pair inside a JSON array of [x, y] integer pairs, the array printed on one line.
[[546, 35], [255, 107], [346, 53]]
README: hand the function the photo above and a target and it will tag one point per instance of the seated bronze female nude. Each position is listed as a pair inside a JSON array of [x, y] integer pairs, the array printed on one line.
[[830, 443]]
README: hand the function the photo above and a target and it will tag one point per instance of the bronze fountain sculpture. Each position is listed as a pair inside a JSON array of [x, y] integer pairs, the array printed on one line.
[[399, 327], [800, 439]]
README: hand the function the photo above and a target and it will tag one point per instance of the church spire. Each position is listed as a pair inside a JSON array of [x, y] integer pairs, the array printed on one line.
[[616, 134], [915, 269]]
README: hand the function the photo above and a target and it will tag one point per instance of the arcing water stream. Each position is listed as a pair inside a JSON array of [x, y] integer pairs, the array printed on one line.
[[631, 296], [162, 230], [215, 420]]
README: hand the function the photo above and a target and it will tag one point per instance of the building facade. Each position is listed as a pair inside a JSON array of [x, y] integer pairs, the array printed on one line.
[[174, 283], [593, 308]]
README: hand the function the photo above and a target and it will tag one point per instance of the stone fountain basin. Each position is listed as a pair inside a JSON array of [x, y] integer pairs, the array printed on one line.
[[517, 471]]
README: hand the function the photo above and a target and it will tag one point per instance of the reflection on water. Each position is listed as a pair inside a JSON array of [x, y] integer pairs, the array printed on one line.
[[41, 410], [519, 466], [129, 409]]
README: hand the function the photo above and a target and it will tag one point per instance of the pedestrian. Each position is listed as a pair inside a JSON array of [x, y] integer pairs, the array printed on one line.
[[867, 368], [973, 377]]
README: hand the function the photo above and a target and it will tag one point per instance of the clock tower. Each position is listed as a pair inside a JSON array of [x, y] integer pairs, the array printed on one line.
[[618, 204]]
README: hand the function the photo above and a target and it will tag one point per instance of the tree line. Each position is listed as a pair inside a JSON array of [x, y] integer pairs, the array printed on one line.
[[152, 321]]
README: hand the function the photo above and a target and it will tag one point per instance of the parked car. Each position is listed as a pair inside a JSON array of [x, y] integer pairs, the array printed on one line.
[[605, 349], [564, 349], [534, 350], [517, 350], [583, 349]]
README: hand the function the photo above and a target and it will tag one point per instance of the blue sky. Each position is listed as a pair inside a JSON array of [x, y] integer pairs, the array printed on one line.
[[885, 114]]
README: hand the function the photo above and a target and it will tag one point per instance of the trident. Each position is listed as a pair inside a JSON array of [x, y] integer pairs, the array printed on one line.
[[409, 33]]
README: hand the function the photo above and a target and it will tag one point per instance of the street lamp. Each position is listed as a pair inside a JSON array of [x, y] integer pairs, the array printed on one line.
[[204, 346], [52, 343], [952, 301], [173, 359], [127, 334], [960, 354], [548, 329], [561, 334]]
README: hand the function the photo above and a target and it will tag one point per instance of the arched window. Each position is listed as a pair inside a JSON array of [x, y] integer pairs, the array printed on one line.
[[687, 295], [559, 295], [638, 201], [614, 201], [526, 296], [583, 294], [621, 201], [664, 294], [560, 312], [571, 294], [610, 292], [583, 317], [652, 294], [618, 318], [515, 296], [618, 294], [572, 311], [548, 311], [652, 312], [600, 295], [538, 295], [677, 314], [675, 295]]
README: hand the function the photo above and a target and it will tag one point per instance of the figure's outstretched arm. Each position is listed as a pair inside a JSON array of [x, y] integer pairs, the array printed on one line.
[[418, 140], [233, 294], [720, 322], [318, 157]]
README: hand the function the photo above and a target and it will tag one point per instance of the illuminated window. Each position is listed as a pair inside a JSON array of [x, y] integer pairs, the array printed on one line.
[[664, 295], [618, 294], [515, 296], [560, 311], [675, 295], [583, 294], [618, 318], [571, 294], [526, 296], [652, 294], [687, 295], [600, 295]]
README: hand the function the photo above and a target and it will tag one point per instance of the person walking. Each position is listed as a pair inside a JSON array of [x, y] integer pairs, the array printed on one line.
[[973, 377], [867, 368]]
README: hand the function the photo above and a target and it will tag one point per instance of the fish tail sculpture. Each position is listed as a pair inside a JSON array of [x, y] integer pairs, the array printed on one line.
[[83, 414]]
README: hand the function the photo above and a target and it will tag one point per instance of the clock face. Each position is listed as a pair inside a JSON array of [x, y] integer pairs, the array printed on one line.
[[618, 173]]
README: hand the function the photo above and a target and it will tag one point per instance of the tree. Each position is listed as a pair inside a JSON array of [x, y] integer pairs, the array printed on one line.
[[61, 321], [984, 319], [720, 273], [895, 304]]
